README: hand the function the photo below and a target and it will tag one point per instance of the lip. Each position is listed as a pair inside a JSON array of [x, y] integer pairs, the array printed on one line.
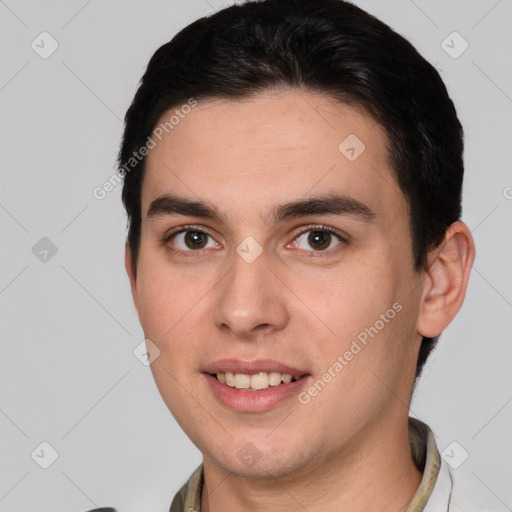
[[254, 401], [252, 367]]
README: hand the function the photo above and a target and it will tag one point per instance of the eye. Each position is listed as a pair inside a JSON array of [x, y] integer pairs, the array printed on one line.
[[192, 240], [318, 239]]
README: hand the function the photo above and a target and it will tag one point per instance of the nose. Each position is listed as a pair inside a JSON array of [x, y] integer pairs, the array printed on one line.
[[251, 300]]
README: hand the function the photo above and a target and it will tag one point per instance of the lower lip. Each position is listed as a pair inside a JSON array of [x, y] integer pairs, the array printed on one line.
[[254, 401]]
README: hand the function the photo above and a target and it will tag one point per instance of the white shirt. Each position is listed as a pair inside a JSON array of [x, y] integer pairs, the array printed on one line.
[[449, 496]]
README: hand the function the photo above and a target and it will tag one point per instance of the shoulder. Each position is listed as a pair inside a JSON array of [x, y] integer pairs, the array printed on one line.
[[461, 498], [452, 494], [462, 501]]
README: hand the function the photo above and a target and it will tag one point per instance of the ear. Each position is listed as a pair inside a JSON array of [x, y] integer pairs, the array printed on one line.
[[447, 275], [128, 263]]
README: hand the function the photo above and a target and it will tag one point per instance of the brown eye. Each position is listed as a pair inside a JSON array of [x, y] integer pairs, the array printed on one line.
[[196, 239], [192, 240], [319, 239]]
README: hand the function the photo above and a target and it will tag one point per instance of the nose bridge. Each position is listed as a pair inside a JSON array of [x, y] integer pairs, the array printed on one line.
[[249, 299]]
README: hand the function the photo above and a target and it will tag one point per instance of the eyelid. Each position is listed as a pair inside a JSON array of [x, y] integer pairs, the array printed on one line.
[[183, 229], [187, 227], [322, 227]]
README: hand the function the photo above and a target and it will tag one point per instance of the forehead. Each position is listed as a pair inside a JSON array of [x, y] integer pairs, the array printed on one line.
[[245, 155]]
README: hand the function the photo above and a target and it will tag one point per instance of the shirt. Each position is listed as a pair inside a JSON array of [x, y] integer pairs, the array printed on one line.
[[436, 492]]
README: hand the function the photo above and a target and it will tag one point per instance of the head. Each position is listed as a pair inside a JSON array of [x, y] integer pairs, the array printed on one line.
[[250, 124]]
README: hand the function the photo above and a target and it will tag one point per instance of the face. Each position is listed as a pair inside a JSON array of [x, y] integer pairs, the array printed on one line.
[[275, 246]]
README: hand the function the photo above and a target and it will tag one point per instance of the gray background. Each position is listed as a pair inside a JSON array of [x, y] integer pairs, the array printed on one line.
[[68, 326]]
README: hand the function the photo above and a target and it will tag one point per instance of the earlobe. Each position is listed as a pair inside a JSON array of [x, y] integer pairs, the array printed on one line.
[[128, 263], [446, 281]]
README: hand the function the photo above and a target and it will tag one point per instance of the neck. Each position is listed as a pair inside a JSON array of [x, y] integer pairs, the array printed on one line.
[[377, 472]]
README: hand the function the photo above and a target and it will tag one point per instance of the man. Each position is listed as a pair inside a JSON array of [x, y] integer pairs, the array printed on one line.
[[293, 175]]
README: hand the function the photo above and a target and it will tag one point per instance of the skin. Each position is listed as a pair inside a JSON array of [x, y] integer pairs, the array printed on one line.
[[347, 449]]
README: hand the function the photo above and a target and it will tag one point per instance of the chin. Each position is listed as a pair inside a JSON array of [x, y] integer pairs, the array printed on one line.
[[245, 459]]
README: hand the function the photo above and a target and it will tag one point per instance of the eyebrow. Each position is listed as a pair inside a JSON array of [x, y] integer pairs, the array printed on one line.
[[330, 204]]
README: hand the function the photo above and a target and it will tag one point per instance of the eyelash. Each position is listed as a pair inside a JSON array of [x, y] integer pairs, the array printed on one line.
[[192, 253]]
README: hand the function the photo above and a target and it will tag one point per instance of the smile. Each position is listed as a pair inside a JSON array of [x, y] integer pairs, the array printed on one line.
[[255, 382]]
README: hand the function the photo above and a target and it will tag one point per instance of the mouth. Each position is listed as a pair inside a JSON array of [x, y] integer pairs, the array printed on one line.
[[254, 386], [254, 382]]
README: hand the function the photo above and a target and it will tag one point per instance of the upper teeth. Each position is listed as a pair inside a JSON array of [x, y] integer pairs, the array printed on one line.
[[260, 380]]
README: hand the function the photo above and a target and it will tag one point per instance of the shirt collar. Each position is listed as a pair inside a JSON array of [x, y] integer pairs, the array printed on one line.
[[424, 453], [426, 457]]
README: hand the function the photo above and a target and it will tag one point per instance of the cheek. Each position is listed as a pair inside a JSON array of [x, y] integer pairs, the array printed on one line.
[[165, 296], [368, 318], [349, 299]]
